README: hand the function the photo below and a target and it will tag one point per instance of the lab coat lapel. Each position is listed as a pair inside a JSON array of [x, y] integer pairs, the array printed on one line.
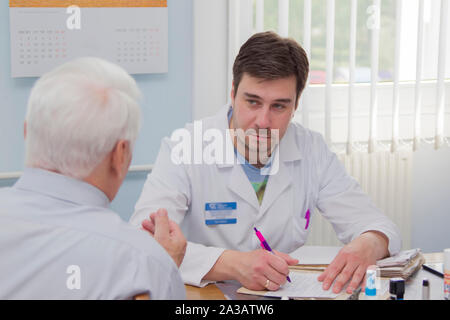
[[281, 172], [241, 186], [238, 181], [279, 181]]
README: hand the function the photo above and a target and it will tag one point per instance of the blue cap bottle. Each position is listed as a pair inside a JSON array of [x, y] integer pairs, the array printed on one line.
[[371, 280]]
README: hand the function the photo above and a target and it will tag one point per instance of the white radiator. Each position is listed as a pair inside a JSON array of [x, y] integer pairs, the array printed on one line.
[[386, 178]]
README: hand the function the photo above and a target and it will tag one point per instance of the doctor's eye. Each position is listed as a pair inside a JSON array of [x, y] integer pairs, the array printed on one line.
[[279, 106], [252, 102]]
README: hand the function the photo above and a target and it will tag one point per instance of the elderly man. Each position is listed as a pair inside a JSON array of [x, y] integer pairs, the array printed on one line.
[[59, 239]]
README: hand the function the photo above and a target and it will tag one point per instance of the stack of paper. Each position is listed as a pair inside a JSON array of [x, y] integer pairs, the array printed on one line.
[[403, 265]]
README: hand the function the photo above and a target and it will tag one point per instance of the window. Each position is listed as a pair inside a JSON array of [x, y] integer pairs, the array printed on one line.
[[400, 104], [365, 15]]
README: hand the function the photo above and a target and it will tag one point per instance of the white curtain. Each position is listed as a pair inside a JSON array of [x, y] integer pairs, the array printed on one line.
[[371, 116]]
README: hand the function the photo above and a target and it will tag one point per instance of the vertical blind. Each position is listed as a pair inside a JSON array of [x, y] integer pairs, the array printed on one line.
[[240, 10]]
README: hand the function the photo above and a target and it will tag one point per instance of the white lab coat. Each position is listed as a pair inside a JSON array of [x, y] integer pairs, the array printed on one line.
[[309, 176]]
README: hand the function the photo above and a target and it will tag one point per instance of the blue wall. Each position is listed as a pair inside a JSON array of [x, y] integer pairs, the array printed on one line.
[[167, 103]]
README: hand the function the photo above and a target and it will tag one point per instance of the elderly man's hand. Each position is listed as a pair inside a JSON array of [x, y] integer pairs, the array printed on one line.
[[167, 233], [352, 261]]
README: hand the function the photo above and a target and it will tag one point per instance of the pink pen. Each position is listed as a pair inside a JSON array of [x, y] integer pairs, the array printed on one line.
[[266, 246], [307, 217]]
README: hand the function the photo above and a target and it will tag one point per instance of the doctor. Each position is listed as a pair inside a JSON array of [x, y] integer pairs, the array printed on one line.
[[218, 203]]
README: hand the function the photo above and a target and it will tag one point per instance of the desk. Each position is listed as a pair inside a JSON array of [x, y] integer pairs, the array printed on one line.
[[413, 286], [210, 292]]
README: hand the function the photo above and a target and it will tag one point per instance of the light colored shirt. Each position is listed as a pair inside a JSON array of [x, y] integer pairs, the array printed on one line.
[[257, 177], [59, 240]]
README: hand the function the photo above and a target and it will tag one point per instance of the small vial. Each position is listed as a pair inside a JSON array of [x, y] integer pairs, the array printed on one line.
[[371, 283], [447, 274], [397, 288], [425, 289]]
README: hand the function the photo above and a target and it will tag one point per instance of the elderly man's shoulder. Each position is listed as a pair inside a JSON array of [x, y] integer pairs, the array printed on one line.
[[99, 230], [110, 225]]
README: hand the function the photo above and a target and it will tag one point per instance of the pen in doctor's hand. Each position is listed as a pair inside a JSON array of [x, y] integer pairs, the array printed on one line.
[[266, 246]]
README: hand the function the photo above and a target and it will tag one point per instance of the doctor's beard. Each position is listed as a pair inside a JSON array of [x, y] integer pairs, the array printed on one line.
[[257, 145]]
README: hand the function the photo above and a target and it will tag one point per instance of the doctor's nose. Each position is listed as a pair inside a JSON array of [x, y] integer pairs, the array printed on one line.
[[263, 118]]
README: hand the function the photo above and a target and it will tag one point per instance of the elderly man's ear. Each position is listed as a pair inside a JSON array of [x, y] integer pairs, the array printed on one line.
[[121, 158]]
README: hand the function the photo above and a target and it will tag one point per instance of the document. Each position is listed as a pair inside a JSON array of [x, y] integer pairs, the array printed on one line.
[[306, 285], [303, 285]]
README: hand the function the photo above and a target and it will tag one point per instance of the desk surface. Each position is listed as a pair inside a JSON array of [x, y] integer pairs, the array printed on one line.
[[212, 291]]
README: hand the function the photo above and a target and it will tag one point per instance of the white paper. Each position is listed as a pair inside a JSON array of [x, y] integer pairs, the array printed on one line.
[[315, 255], [306, 285], [303, 285]]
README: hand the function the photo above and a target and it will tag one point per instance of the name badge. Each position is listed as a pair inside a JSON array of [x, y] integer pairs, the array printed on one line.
[[220, 213]]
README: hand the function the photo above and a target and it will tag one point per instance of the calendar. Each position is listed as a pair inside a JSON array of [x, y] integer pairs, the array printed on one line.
[[44, 34]]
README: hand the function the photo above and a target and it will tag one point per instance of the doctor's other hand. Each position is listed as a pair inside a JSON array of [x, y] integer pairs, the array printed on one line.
[[167, 233], [352, 261]]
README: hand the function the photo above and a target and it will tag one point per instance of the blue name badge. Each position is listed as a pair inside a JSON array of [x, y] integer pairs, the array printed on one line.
[[220, 213]]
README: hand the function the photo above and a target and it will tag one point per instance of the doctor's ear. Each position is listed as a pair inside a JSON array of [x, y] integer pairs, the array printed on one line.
[[232, 93]]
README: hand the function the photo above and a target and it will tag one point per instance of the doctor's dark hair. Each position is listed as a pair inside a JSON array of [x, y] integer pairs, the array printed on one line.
[[268, 56]]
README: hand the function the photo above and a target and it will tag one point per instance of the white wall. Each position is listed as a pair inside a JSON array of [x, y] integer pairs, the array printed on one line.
[[210, 57], [431, 199]]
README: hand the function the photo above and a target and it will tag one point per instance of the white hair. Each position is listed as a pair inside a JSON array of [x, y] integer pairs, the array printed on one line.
[[76, 115]]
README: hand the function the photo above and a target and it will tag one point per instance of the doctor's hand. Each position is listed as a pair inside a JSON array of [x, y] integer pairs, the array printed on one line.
[[352, 261], [260, 269], [167, 233]]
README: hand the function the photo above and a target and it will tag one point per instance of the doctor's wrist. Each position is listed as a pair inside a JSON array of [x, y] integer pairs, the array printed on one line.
[[226, 267], [380, 243]]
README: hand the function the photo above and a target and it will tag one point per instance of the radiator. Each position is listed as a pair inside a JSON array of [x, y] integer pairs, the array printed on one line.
[[386, 178]]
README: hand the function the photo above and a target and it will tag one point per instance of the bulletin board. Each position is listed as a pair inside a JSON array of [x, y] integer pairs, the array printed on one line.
[[47, 33]]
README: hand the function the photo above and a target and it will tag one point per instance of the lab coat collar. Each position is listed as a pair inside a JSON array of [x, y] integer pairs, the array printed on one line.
[[280, 176], [61, 187], [288, 147], [279, 180], [240, 185]]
